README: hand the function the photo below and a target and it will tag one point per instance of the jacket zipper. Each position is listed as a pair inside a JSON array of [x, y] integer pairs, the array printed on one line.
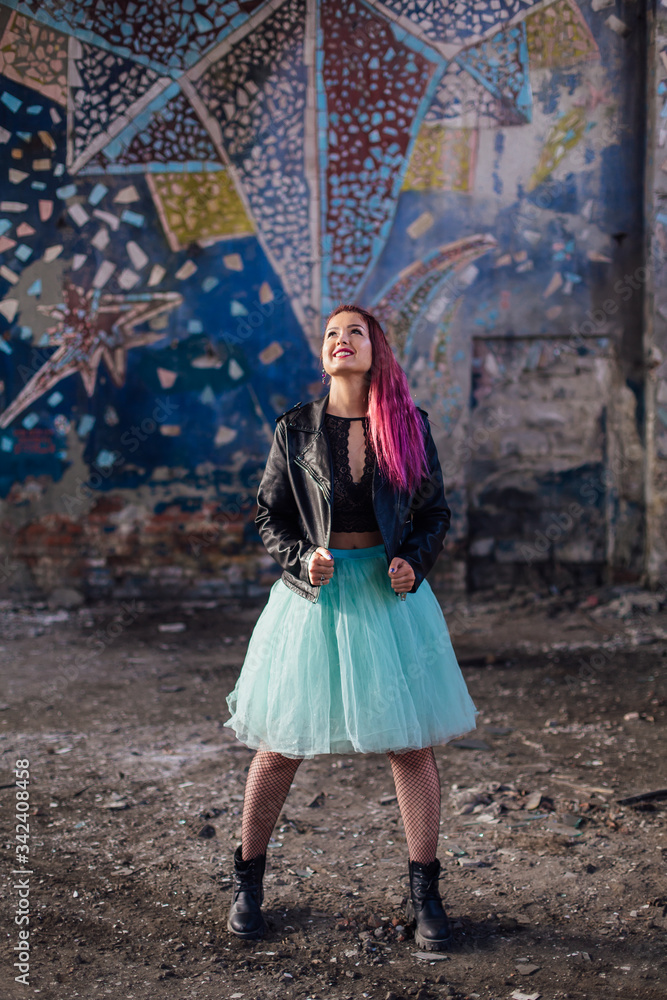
[[302, 465]]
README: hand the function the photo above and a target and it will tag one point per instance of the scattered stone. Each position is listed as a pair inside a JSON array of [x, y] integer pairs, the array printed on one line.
[[470, 745], [171, 627], [467, 800], [533, 801], [561, 828], [65, 597], [388, 799], [630, 800], [207, 831], [171, 688], [627, 605], [570, 819], [519, 995], [455, 851], [318, 801], [508, 923], [430, 956], [115, 802], [510, 804], [526, 969]]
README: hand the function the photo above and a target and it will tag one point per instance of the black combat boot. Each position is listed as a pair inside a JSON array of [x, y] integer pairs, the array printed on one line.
[[432, 931], [245, 917]]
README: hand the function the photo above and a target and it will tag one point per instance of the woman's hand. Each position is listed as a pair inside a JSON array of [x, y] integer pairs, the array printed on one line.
[[401, 574], [321, 567]]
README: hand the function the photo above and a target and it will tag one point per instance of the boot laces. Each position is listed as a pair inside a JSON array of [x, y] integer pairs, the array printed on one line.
[[253, 890], [248, 881], [425, 885], [427, 888]]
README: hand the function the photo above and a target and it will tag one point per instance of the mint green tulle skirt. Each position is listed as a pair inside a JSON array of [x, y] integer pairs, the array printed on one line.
[[358, 671]]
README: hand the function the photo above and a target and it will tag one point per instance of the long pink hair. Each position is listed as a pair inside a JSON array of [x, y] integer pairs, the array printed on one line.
[[395, 426]]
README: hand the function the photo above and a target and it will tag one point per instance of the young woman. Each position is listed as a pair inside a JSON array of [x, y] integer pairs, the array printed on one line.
[[351, 653]]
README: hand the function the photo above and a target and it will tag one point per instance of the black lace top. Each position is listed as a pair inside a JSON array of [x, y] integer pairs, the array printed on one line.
[[352, 502]]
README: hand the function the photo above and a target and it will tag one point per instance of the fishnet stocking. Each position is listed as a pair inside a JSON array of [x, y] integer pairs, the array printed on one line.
[[270, 776], [418, 792]]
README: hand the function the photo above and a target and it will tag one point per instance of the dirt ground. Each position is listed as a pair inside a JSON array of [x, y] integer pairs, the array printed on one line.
[[136, 789]]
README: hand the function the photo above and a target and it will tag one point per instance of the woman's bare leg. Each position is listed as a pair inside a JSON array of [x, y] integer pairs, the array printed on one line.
[[270, 777], [417, 783]]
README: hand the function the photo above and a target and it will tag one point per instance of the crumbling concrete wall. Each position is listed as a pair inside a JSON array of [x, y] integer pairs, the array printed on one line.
[[551, 452], [655, 316]]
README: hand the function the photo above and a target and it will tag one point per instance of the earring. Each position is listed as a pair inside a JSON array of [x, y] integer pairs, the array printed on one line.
[[324, 377]]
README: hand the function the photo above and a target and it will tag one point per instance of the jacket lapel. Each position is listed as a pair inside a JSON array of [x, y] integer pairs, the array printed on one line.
[[315, 457]]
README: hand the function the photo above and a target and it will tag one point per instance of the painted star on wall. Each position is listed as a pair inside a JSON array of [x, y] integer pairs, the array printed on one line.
[[91, 327]]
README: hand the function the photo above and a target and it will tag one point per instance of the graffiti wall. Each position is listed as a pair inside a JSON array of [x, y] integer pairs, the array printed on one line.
[[187, 188]]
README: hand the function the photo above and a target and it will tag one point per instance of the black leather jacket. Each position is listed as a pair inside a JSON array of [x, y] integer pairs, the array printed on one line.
[[295, 501]]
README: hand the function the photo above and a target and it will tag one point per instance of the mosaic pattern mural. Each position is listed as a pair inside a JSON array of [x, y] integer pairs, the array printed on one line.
[[168, 36], [376, 93], [167, 132], [188, 188], [36, 55], [486, 85], [443, 159], [260, 117], [558, 36], [104, 89], [457, 23]]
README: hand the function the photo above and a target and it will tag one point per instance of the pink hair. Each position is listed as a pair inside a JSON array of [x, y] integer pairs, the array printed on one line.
[[395, 425]]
